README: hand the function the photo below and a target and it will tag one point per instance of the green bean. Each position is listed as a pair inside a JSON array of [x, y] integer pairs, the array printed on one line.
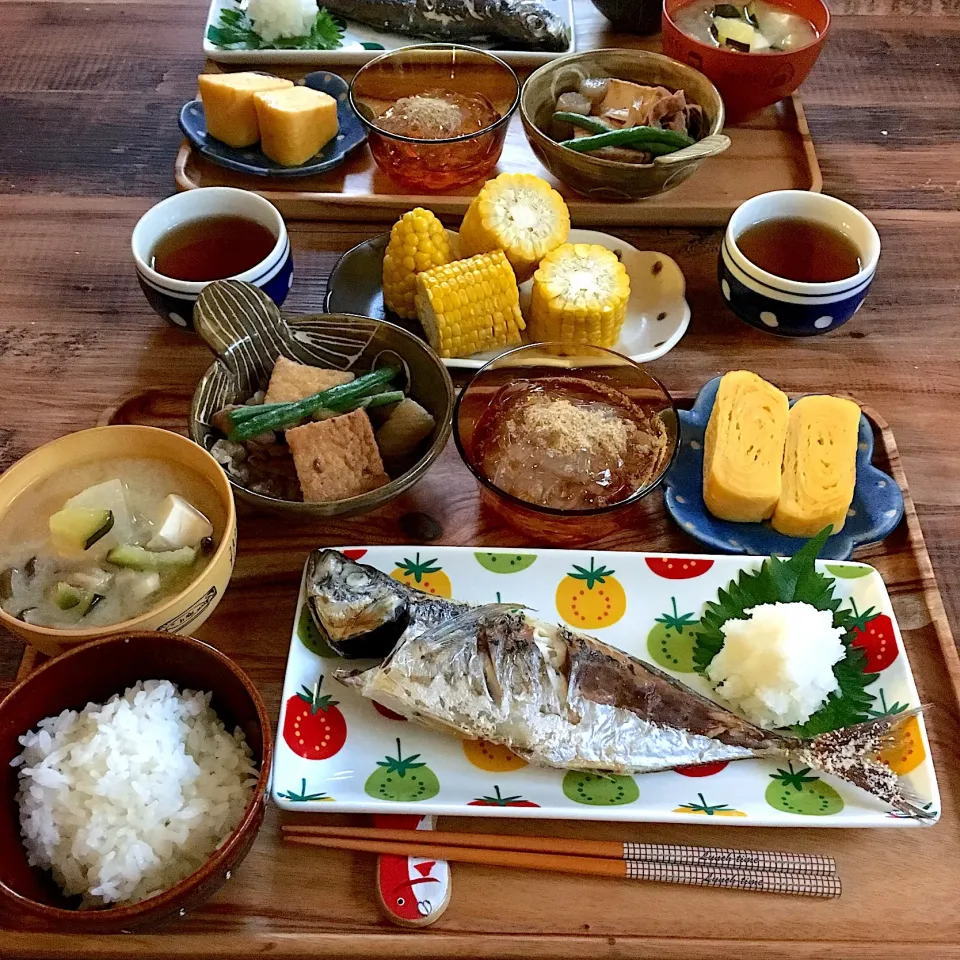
[[642, 138], [381, 399], [593, 124], [247, 422]]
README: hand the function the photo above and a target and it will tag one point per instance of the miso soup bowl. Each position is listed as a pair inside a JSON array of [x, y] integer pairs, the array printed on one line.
[[174, 299], [748, 81], [182, 613], [790, 308], [93, 673]]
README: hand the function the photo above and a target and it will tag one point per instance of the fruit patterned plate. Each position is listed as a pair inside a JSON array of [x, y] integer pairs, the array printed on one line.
[[657, 313], [337, 752], [876, 510]]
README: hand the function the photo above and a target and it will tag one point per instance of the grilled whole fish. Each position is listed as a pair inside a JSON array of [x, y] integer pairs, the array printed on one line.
[[561, 699], [524, 22], [361, 612]]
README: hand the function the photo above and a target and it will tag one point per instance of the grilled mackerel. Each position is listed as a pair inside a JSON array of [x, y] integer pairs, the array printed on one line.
[[363, 613], [558, 698], [525, 23]]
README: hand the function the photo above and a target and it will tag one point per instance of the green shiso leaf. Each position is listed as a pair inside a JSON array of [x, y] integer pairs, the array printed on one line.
[[795, 581], [236, 31]]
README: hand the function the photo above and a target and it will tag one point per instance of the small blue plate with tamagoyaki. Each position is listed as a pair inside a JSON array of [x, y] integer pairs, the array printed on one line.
[[875, 512], [254, 161]]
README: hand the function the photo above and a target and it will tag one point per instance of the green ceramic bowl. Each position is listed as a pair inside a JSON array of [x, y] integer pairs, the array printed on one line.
[[603, 179]]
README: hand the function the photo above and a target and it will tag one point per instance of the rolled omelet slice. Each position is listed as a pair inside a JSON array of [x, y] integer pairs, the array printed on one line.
[[819, 466], [743, 448]]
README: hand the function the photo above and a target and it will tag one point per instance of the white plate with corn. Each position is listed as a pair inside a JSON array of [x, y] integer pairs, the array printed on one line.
[[515, 273]]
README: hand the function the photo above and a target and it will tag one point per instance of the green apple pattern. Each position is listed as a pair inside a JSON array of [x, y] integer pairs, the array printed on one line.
[[310, 636], [794, 791], [671, 642], [402, 779], [505, 562], [597, 790]]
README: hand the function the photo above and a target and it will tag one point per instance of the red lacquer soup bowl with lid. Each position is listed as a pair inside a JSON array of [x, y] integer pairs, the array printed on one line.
[[748, 81]]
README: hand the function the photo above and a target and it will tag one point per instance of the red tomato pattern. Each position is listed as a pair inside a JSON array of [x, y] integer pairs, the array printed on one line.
[[678, 568], [314, 727], [702, 769]]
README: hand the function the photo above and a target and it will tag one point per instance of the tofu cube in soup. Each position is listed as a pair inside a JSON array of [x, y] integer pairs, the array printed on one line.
[[337, 458], [178, 523]]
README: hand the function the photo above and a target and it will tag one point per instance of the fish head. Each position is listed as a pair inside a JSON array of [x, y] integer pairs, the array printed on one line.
[[358, 611], [541, 26]]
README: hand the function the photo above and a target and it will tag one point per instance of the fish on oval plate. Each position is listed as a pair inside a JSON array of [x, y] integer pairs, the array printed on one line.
[[876, 510], [657, 312], [521, 32], [562, 684]]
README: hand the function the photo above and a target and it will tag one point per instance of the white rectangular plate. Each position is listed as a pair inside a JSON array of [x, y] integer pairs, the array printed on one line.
[[637, 595], [353, 53]]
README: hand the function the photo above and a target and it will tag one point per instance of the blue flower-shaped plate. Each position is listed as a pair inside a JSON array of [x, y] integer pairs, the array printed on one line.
[[253, 160], [875, 512]]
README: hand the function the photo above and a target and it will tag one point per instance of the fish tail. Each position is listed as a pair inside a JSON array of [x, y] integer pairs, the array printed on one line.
[[853, 754]]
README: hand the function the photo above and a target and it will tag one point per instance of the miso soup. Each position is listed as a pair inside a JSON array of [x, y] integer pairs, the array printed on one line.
[[754, 27], [106, 542]]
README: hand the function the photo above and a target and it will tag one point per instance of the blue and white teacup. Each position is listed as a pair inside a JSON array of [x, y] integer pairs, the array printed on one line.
[[791, 308], [174, 299]]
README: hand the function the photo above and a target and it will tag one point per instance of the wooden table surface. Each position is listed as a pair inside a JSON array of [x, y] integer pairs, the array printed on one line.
[[89, 91]]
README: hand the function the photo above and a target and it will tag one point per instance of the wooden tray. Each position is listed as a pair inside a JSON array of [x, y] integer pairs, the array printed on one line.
[[773, 151], [899, 898]]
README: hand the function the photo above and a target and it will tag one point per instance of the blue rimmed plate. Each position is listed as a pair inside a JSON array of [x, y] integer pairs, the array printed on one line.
[[875, 512], [253, 160]]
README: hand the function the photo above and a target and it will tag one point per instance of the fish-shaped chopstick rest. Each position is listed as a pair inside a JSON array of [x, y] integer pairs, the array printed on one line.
[[413, 891]]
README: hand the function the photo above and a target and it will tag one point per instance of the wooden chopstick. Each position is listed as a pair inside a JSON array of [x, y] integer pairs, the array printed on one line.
[[764, 860], [761, 881]]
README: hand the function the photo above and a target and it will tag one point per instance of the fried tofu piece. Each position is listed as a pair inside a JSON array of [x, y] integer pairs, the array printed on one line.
[[337, 458], [294, 381]]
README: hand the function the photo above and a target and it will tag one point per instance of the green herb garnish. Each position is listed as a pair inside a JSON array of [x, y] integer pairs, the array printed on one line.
[[795, 581], [236, 31]]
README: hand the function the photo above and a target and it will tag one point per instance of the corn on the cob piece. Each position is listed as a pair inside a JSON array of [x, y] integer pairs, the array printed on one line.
[[418, 241], [519, 214], [580, 294], [470, 305]]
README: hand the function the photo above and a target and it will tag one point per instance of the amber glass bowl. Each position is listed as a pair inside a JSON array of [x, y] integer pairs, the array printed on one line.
[[435, 165], [548, 360]]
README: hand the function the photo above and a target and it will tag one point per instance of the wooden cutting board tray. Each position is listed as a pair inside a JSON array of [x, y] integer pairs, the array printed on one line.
[[772, 151], [900, 887]]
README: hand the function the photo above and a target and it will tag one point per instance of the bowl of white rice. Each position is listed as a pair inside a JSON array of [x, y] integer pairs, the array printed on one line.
[[133, 773]]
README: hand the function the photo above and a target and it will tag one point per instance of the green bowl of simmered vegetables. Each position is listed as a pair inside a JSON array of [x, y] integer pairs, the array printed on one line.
[[326, 415], [621, 125]]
